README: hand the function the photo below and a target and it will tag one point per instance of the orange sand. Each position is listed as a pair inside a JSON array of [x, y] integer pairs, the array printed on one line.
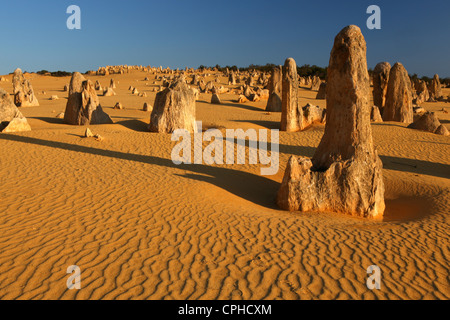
[[140, 227]]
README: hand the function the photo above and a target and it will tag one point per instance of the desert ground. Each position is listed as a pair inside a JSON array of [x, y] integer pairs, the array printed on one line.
[[140, 227]]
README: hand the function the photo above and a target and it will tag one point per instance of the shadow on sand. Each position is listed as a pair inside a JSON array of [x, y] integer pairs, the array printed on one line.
[[136, 125], [252, 187], [271, 125], [235, 105], [49, 120]]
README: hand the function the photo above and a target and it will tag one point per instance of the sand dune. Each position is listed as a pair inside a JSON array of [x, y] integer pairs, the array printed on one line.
[[140, 227]]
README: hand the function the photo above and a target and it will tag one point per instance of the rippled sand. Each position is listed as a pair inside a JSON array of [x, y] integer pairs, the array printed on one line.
[[140, 227]]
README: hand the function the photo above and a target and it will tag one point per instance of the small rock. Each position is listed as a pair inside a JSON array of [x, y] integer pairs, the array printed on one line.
[[109, 92], [215, 99], [418, 110], [242, 99], [88, 133], [146, 107], [430, 123], [254, 97], [442, 130], [15, 125], [375, 115], [118, 106]]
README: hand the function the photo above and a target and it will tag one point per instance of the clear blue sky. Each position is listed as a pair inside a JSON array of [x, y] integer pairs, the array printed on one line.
[[179, 33]]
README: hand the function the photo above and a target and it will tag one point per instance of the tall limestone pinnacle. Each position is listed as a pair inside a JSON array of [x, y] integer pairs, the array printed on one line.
[[380, 82], [291, 114], [398, 105], [275, 89], [345, 173]]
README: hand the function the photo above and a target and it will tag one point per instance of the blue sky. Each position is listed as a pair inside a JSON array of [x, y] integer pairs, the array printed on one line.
[[179, 33]]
